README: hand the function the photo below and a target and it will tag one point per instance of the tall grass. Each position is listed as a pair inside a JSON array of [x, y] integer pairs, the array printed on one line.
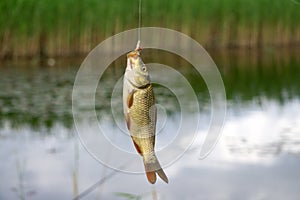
[[71, 27]]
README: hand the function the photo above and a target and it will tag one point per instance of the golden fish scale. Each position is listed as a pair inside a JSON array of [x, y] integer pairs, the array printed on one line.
[[142, 117]]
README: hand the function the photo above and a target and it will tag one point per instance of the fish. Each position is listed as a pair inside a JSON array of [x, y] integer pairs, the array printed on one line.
[[140, 113]]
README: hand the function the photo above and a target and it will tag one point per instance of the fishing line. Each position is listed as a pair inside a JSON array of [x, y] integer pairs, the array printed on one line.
[[140, 20]]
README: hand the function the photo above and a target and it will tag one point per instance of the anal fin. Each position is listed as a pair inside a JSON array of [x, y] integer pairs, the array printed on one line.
[[136, 146]]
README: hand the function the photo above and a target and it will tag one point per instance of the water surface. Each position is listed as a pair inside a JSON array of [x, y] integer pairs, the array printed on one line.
[[257, 157]]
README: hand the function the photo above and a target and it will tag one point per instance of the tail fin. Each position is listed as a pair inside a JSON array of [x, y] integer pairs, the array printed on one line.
[[162, 175], [151, 176], [152, 167]]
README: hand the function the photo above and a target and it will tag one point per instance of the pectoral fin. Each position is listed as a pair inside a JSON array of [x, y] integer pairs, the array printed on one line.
[[130, 99], [129, 103]]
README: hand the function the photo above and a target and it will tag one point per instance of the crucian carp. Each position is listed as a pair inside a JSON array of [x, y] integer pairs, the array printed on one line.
[[140, 113]]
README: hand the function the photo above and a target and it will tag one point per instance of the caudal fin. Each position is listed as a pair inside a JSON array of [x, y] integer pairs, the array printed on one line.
[[152, 167], [160, 172], [151, 176]]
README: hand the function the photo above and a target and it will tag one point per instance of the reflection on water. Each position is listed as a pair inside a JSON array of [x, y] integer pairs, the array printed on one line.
[[36, 96], [257, 157]]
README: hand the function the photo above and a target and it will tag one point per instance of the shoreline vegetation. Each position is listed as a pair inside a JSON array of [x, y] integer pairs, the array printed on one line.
[[273, 77], [66, 28]]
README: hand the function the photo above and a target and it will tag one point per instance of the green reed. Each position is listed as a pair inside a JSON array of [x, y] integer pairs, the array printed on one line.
[[58, 27]]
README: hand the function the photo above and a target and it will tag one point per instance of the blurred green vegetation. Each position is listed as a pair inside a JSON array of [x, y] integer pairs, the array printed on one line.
[[40, 97], [71, 27], [258, 80]]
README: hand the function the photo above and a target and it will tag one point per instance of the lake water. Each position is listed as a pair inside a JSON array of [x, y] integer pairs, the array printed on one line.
[[257, 156]]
